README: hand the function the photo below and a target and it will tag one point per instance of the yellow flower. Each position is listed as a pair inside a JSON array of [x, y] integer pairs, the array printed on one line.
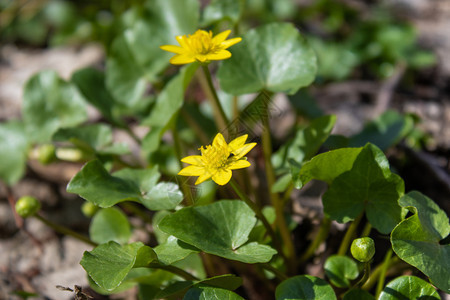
[[201, 46], [217, 160]]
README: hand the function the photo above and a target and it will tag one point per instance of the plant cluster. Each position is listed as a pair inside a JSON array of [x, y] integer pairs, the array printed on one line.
[[233, 221]]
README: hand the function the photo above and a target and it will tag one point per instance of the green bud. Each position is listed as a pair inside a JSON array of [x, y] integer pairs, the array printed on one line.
[[27, 206], [89, 209], [363, 249], [46, 154]]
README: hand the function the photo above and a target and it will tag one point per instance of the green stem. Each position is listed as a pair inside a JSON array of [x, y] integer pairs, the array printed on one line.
[[343, 248], [373, 278], [65, 230], [366, 230], [363, 280], [280, 275], [320, 237], [254, 207], [215, 103], [133, 135], [275, 199], [195, 126], [175, 270], [383, 271], [178, 150]]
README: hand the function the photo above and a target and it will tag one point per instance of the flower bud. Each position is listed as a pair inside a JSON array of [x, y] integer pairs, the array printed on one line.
[[89, 209], [363, 249], [46, 154], [27, 206]]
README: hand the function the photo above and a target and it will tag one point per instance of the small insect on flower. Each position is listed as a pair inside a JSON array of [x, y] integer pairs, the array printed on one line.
[[217, 160], [201, 46]]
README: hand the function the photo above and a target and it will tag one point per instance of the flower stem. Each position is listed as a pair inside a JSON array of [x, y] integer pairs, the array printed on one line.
[[175, 270], [220, 116], [275, 199], [343, 248], [65, 230], [320, 237], [255, 209], [184, 187], [373, 278], [363, 280], [383, 271]]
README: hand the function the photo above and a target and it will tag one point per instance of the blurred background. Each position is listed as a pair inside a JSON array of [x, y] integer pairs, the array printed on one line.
[[381, 64]]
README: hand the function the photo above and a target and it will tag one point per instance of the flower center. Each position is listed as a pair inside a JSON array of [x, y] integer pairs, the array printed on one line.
[[201, 42], [215, 157]]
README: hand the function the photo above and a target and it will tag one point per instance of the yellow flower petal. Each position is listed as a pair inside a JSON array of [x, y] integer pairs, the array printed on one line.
[[201, 57], [202, 178], [240, 164], [195, 160], [182, 40], [230, 42], [221, 37], [173, 49], [219, 141], [243, 150], [237, 143], [192, 171], [181, 59], [222, 54], [222, 176]]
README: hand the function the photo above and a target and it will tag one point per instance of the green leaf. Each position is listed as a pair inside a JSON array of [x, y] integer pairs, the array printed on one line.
[[341, 270], [385, 131], [108, 264], [124, 76], [319, 166], [91, 83], [226, 223], [49, 104], [369, 186], [409, 287], [306, 142], [110, 224], [304, 287], [13, 150], [210, 293], [169, 101], [163, 196], [227, 281], [96, 185], [358, 294], [274, 57], [173, 250], [219, 10], [92, 138], [418, 239]]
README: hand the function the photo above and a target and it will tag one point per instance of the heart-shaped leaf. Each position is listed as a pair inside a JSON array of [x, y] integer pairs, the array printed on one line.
[[13, 150], [341, 270], [108, 264], [408, 287], [417, 240], [369, 186], [226, 223], [273, 57], [304, 287], [110, 224], [318, 167], [96, 185], [210, 293], [49, 104]]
